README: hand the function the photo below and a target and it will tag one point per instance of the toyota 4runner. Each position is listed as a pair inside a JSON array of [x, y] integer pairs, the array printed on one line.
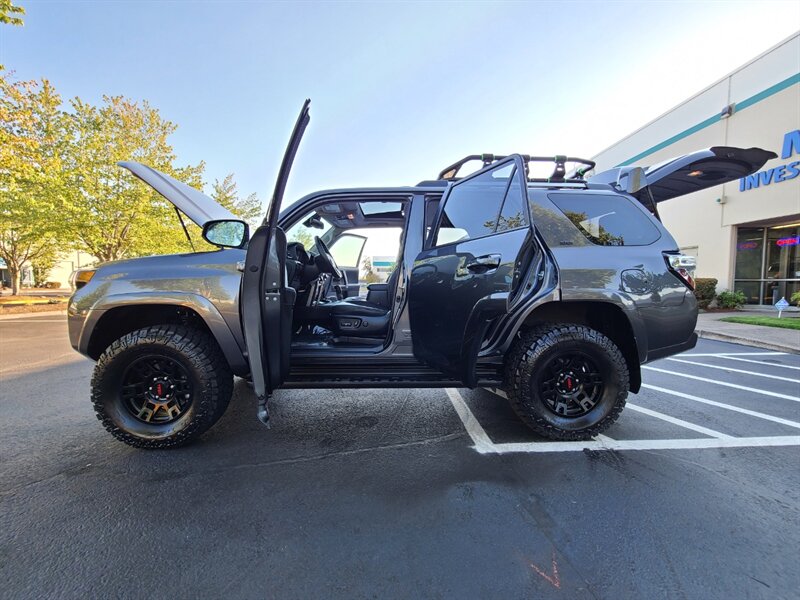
[[555, 289]]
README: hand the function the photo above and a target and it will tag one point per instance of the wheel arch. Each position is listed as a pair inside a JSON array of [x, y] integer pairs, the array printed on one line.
[[606, 317], [117, 315]]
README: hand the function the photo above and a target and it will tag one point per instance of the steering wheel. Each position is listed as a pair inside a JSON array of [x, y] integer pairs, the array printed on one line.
[[325, 259]]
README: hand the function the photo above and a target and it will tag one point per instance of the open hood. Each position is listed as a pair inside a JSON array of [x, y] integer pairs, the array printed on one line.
[[191, 202], [688, 173]]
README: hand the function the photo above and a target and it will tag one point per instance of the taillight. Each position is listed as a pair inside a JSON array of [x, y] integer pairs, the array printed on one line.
[[683, 266]]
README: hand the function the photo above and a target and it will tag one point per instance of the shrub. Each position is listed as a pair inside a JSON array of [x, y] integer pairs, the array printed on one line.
[[705, 290], [728, 299], [795, 299], [52, 285]]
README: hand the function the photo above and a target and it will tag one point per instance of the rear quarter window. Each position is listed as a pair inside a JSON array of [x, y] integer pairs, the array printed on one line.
[[606, 219]]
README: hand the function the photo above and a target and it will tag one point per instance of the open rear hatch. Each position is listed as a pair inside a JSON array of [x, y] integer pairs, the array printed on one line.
[[686, 174]]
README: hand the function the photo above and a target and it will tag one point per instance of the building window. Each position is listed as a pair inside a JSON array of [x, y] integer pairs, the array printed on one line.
[[767, 266]]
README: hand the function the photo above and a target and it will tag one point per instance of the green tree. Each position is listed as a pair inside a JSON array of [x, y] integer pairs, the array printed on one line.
[[303, 236], [10, 14], [225, 192], [32, 183], [111, 214], [43, 265]]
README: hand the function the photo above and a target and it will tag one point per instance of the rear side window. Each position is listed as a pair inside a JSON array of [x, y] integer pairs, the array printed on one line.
[[482, 206], [607, 219]]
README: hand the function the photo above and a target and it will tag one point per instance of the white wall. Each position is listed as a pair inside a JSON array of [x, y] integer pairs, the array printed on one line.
[[697, 221]]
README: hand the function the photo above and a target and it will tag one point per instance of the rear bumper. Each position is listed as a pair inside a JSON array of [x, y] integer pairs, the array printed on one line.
[[670, 350]]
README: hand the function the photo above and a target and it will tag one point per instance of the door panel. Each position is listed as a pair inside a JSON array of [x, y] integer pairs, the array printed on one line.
[[458, 288], [267, 301], [347, 250]]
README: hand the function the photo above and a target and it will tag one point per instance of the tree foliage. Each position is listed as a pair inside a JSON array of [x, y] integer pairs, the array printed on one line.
[[10, 14], [32, 184], [225, 192], [61, 187], [110, 213]]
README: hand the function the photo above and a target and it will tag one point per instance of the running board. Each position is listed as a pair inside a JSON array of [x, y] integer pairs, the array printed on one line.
[[381, 374]]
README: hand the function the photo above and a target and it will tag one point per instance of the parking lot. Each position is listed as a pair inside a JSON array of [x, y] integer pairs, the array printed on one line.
[[405, 493]]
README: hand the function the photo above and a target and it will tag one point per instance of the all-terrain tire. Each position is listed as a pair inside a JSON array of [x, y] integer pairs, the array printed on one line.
[[206, 372], [530, 360]]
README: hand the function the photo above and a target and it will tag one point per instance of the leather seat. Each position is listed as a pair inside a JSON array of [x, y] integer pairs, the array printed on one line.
[[361, 317]]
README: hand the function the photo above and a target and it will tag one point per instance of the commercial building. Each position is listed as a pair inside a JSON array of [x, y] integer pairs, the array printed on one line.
[[746, 233]]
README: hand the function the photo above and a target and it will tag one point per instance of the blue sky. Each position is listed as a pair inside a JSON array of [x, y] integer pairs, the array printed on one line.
[[398, 90]]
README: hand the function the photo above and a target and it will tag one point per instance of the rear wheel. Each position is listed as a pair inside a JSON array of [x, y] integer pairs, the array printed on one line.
[[161, 386], [566, 382]]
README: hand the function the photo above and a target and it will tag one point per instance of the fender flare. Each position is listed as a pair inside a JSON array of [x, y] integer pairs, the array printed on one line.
[[199, 304]]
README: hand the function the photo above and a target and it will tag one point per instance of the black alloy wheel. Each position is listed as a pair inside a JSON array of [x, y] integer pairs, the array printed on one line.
[[161, 386], [570, 383], [566, 381], [156, 389]]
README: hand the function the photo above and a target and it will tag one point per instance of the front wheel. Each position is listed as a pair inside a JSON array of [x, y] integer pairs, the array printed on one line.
[[161, 386], [566, 382]]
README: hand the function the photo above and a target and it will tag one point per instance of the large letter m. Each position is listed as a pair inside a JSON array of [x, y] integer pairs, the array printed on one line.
[[791, 143]]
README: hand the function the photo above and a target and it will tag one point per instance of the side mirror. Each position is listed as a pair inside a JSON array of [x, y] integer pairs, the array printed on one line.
[[226, 234]]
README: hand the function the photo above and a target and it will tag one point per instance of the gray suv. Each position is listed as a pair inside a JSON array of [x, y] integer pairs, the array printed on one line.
[[555, 289]]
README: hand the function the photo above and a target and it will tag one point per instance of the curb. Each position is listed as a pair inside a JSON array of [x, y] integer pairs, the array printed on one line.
[[724, 337], [42, 313]]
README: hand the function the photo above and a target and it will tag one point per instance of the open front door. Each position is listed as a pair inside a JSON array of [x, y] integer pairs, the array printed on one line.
[[267, 301], [472, 268]]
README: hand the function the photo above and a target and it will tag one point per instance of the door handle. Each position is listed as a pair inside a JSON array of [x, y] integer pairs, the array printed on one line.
[[482, 264]]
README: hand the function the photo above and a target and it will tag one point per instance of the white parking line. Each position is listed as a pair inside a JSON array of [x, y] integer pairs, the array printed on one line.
[[483, 442], [732, 370], [743, 411], [733, 442], [676, 421], [724, 383], [757, 362], [736, 354]]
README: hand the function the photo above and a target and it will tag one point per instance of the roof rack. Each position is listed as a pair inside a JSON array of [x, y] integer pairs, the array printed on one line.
[[558, 175]]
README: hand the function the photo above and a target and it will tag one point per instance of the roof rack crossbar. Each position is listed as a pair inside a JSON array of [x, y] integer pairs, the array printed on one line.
[[558, 175]]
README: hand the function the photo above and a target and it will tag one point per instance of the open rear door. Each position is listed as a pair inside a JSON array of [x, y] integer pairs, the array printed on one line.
[[473, 267], [688, 173], [267, 301]]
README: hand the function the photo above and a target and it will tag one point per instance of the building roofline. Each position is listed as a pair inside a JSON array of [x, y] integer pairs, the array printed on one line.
[[700, 93]]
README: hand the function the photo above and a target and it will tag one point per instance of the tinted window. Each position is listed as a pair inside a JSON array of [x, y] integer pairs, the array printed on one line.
[[472, 208], [513, 214], [607, 220]]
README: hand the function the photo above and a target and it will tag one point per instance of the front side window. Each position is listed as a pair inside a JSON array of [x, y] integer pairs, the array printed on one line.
[[607, 219]]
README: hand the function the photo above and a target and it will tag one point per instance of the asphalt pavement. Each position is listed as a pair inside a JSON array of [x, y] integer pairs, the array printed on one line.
[[404, 493]]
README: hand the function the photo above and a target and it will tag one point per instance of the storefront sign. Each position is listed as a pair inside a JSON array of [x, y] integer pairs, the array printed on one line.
[[791, 146], [789, 241]]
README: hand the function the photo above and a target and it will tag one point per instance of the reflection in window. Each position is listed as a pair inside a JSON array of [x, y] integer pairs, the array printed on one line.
[[607, 219], [472, 207], [749, 252]]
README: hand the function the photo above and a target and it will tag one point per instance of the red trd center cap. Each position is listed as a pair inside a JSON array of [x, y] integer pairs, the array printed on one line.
[[162, 388]]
